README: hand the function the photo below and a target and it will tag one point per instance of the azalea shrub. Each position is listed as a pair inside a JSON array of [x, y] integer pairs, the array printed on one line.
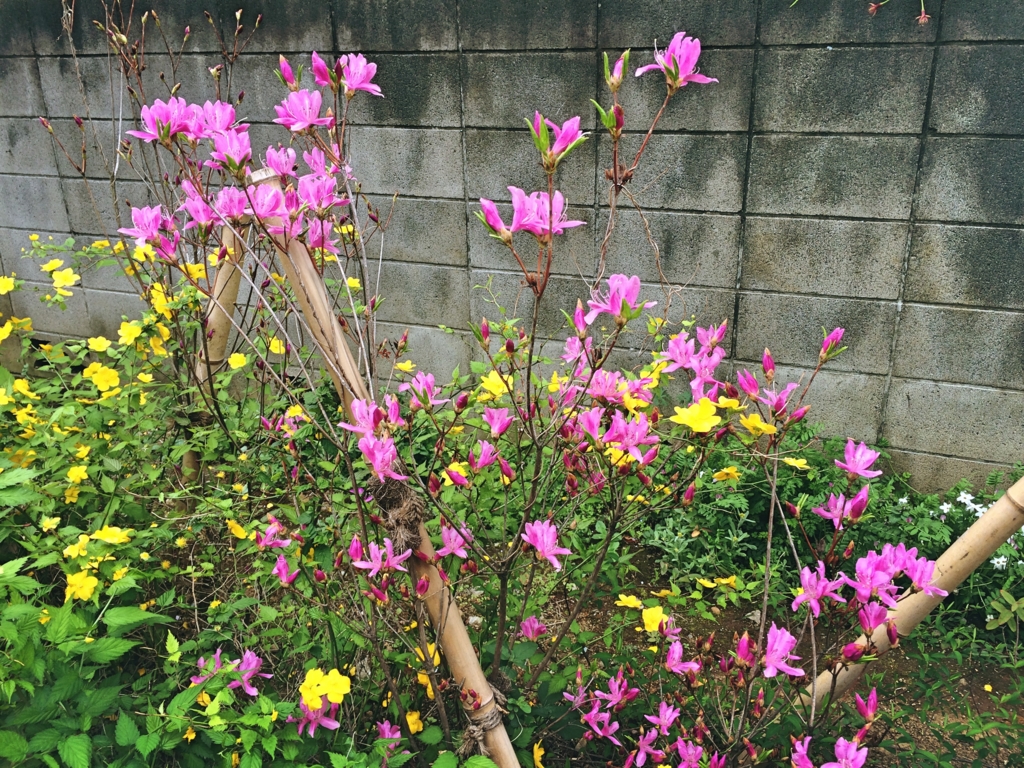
[[218, 561]]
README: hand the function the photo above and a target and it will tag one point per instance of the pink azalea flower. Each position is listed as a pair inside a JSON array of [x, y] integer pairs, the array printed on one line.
[[231, 203], [365, 416], [269, 539], [318, 192], [590, 422], [195, 206], [489, 215], [216, 116], [209, 666], [454, 541], [281, 570], [778, 652], [542, 535], [381, 455], [488, 455], [874, 579], [301, 111], [287, 75], [148, 221], [689, 753], [231, 150], [868, 709], [355, 549], [622, 296], [281, 161], [498, 419], [321, 72], [799, 757], [316, 718], [679, 352], [629, 436], [748, 383], [858, 460], [531, 628], [530, 213], [248, 667], [920, 571], [816, 588], [674, 661], [601, 723], [831, 342], [164, 121], [666, 716], [385, 730], [266, 203], [777, 401], [871, 617], [678, 62], [424, 390], [848, 755], [358, 73], [644, 748]]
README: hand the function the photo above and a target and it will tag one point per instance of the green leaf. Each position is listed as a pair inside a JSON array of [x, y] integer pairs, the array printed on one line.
[[446, 760], [171, 644], [337, 761], [17, 476], [270, 744], [251, 760], [106, 649], [180, 703], [17, 496], [397, 761], [479, 761], [248, 739], [123, 619], [13, 746], [76, 751], [59, 624], [127, 732], [96, 703], [431, 735], [50, 762], [147, 743], [44, 741], [107, 484]]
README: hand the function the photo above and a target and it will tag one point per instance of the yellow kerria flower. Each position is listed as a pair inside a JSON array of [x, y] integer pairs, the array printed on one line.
[[144, 556], [189, 735], [412, 717], [196, 271], [294, 411], [406, 366], [44, 616], [424, 679], [729, 473], [755, 426], [120, 573], [106, 378], [91, 370], [49, 524], [333, 685], [6, 329], [111, 534], [538, 753], [432, 650], [101, 244], [128, 333], [158, 299], [99, 343], [64, 278], [81, 585], [145, 378], [796, 463], [494, 385], [237, 360], [701, 417], [79, 473], [71, 494], [276, 346], [181, 542], [707, 583], [51, 265], [214, 604], [78, 549], [353, 283], [663, 593], [165, 564], [6, 284], [22, 323], [653, 618], [21, 387], [83, 450], [629, 601], [237, 530]]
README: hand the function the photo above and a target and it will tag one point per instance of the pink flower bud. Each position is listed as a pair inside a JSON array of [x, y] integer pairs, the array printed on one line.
[[286, 73], [688, 495], [891, 633], [620, 117], [768, 366], [422, 586], [320, 576], [510, 346], [433, 485], [868, 709], [831, 342], [853, 652], [485, 331], [461, 402], [798, 414], [858, 504], [355, 549]]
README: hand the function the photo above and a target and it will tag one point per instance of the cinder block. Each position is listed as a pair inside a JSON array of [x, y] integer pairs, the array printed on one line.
[[937, 474], [526, 24], [574, 251], [395, 25], [25, 148], [961, 345], [21, 93], [814, 89], [955, 420], [40, 203], [424, 294], [979, 266], [721, 106], [14, 248], [62, 93], [72, 322], [695, 249], [968, 179], [637, 24], [838, 21], [503, 89], [287, 25], [855, 176], [16, 32], [427, 231], [91, 207], [982, 20], [101, 149], [689, 172], [977, 89], [790, 326], [192, 75], [418, 90], [410, 161], [860, 259], [433, 350], [105, 311], [263, 91], [496, 160]]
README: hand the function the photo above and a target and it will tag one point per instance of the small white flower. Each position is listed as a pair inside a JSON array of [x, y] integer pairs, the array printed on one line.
[[999, 563], [989, 617], [965, 497], [946, 508], [904, 500]]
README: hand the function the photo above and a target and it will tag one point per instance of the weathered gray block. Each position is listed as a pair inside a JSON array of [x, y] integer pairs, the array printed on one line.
[[982, 20], [955, 420], [574, 251], [961, 345], [695, 249], [839, 21], [503, 89], [408, 160], [428, 231], [496, 160], [525, 24], [193, 75], [979, 266], [40, 203], [25, 148], [977, 180], [395, 25], [106, 309], [977, 89], [937, 474], [721, 106], [790, 326], [424, 294], [287, 25], [16, 38], [856, 176], [59, 78], [637, 23], [50, 320], [811, 89], [101, 150], [433, 350], [418, 90], [21, 94], [691, 172], [825, 256], [91, 209]]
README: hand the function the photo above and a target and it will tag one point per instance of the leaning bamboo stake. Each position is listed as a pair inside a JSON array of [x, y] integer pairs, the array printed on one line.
[[957, 563], [484, 710]]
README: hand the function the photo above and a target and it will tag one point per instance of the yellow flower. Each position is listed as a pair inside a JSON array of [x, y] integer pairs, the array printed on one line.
[[215, 604], [99, 343], [145, 378], [64, 278], [165, 564], [412, 717], [276, 346], [729, 473], [336, 686], [158, 299], [83, 450], [333, 685], [106, 378], [663, 593], [33, 237], [78, 549], [424, 679], [77, 474], [236, 760], [49, 524], [653, 618], [243, 457], [4, 398], [728, 402], [129, 332], [101, 244], [81, 585], [755, 426], [237, 360], [406, 366], [144, 556], [494, 385], [181, 542], [538, 753], [22, 323], [353, 283], [796, 463], [189, 735], [71, 494], [111, 534], [5, 330], [706, 583], [295, 411], [237, 530], [432, 650], [120, 573], [157, 345], [988, 688], [91, 370], [143, 253], [196, 271], [51, 265], [726, 582], [6, 284], [21, 387], [628, 601], [273, 716], [700, 417], [44, 616]]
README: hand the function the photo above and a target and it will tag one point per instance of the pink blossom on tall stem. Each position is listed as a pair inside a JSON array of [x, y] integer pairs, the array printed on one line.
[[485, 455], [679, 352], [778, 652], [768, 365], [454, 541], [799, 758], [196, 207], [162, 121], [316, 718], [778, 402], [148, 221], [358, 73], [498, 419], [287, 75], [248, 667], [858, 460], [381, 455], [531, 628], [231, 203], [868, 709], [619, 693], [489, 215], [215, 116], [301, 111], [601, 723], [266, 202], [208, 666], [848, 755], [424, 390], [623, 296], [231, 150], [644, 748], [318, 192], [674, 661], [874, 579], [365, 416], [269, 539], [920, 572], [667, 715], [830, 344], [281, 570], [678, 62], [543, 536], [871, 617], [689, 753], [380, 559], [748, 383], [530, 214], [567, 137], [815, 588], [321, 72], [281, 161]]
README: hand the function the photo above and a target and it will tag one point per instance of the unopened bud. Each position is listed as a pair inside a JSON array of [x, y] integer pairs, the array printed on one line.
[[422, 586], [320, 576], [485, 331], [461, 402], [510, 346], [688, 495]]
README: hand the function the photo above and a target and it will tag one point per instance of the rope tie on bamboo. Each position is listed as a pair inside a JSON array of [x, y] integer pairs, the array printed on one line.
[[480, 722]]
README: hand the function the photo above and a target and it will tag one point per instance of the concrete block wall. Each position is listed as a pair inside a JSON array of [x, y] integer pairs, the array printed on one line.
[[846, 170]]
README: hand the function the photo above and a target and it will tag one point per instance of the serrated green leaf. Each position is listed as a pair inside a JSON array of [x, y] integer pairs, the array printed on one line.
[[251, 760], [17, 476], [397, 761], [13, 746], [17, 496], [98, 702], [431, 735], [122, 585], [446, 760], [337, 761], [59, 624], [106, 649], [172, 643], [127, 732], [76, 751], [48, 759], [123, 619], [248, 739], [270, 745], [147, 743], [45, 741], [479, 761]]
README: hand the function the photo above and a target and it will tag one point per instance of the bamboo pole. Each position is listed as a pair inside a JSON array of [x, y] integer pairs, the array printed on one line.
[[957, 563], [220, 308], [443, 612]]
